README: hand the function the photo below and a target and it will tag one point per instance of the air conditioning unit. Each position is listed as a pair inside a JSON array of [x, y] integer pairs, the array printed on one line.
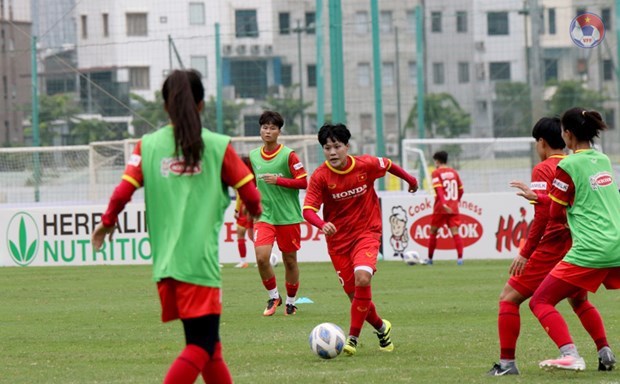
[[227, 49], [391, 149], [240, 49], [479, 45], [255, 50], [268, 49]]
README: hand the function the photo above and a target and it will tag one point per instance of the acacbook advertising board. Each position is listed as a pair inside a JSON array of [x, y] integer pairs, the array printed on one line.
[[492, 227]]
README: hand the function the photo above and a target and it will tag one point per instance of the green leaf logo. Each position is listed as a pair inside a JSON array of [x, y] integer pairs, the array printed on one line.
[[23, 239]]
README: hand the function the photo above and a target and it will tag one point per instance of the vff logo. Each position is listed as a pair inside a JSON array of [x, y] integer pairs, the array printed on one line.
[[22, 238]]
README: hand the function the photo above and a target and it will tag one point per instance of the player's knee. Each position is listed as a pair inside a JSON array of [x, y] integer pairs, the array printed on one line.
[[203, 332]]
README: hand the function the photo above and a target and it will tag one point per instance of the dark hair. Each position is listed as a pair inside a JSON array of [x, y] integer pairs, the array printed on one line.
[[584, 124], [182, 92], [441, 156], [271, 117], [248, 163], [549, 129], [335, 132]]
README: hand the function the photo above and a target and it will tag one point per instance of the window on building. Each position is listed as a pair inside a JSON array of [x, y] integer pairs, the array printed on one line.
[[390, 125], [387, 74], [551, 18], [284, 21], [250, 125], [249, 77], [551, 69], [606, 16], [5, 87], [610, 118], [497, 23], [199, 63], [463, 72], [413, 73], [461, 21], [541, 25], [411, 19], [137, 24], [139, 78], [84, 26], [106, 24], [362, 23], [310, 23], [2, 40], [435, 21], [246, 24], [311, 68], [608, 70], [386, 22], [499, 71], [363, 74], [438, 73], [286, 75], [196, 13]]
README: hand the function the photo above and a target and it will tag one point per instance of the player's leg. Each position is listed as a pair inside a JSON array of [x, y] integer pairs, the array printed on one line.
[[203, 332], [264, 236], [509, 328], [241, 231], [432, 244], [593, 323], [551, 291], [454, 222], [289, 239]]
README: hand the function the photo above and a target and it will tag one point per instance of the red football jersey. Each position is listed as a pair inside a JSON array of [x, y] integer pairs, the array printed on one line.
[[348, 198], [447, 179], [543, 227]]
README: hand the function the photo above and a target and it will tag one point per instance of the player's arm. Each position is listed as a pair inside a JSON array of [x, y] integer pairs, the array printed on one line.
[[312, 204], [132, 180], [237, 175], [299, 179], [541, 212], [398, 171], [562, 195]]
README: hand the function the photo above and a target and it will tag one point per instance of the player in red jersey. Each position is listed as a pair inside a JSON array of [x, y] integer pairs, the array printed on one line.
[[449, 190], [184, 169], [547, 242], [344, 186], [244, 224]]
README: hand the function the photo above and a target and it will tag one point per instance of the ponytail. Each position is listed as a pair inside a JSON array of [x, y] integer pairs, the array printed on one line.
[[584, 124], [182, 92]]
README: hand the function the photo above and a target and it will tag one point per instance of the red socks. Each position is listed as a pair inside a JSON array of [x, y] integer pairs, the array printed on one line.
[[270, 283], [291, 289], [509, 327], [373, 317], [186, 368], [593, 323], [215, 370], [359, 309], [458, 243], [432, 244], [242, 248]]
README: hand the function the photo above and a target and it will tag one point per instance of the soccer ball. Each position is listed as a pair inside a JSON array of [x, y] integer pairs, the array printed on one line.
[[273, 260], [412, 258], [326, 340]]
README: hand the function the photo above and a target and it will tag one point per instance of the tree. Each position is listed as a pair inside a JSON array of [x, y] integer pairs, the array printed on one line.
[[54, 112], [232, 116], [289, 107], [512, 110], [443, 116], [85, 131], [571, 94], [148, 115]]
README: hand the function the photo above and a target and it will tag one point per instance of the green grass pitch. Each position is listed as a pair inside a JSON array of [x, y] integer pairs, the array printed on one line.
[[101, 325]]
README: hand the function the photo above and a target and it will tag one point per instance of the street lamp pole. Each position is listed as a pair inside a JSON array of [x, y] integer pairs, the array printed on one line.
[[298, 30]]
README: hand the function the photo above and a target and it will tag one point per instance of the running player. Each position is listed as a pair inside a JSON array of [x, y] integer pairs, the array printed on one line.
[[280, 176], [547, 242], [344, 186], [584, 192], [448, 190], [184, 169]]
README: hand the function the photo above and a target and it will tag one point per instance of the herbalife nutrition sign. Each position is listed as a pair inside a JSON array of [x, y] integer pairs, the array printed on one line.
[[61, 236]]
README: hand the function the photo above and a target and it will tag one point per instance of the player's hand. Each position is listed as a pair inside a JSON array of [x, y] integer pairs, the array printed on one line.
[[329, 229], [517, 266], [270, 179], [447, 209], [99, 234], [413, 187], [526, 192]]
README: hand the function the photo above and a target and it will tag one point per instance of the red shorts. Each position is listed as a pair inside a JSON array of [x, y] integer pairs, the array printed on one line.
[[288, 236], [439, 220], [537, 268], [181, 300], [363, 254], [245, 221], [589, 279]]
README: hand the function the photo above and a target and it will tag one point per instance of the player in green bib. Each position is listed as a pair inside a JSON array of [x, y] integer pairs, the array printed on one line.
[[585, 192], [185, 171], [280, 175]]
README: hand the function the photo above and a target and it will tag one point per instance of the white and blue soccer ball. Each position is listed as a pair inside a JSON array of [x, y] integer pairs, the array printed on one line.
[[412, 258], [327, 340], [274, 260]]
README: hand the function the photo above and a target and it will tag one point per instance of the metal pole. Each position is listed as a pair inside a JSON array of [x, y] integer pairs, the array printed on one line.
[[219, 108], [336, 61], [170, 53], [376, 64], [419, 44], [320, 79], [35, 119], [398, 100], [298, 30]]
